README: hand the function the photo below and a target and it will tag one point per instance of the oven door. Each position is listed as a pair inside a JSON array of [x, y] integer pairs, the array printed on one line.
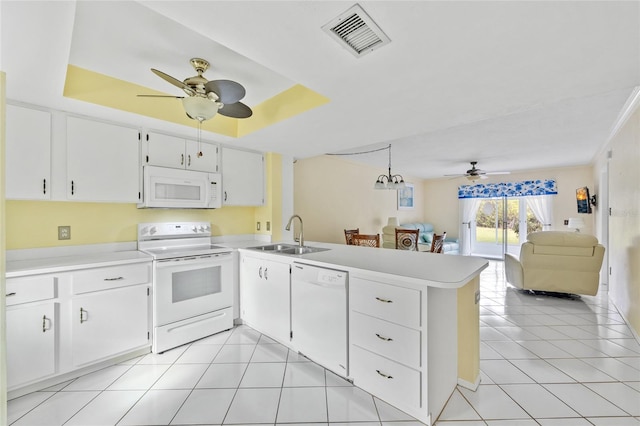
[[190, 286]]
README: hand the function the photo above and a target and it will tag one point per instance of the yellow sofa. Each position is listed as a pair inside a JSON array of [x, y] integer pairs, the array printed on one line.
[[557, 261]]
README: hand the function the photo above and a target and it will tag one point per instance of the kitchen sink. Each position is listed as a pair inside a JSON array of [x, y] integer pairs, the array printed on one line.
[[288, 249], [302, 250], [273, 247]]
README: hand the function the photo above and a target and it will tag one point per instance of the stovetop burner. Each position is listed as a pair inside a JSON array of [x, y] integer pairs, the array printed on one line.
[[177, 239]]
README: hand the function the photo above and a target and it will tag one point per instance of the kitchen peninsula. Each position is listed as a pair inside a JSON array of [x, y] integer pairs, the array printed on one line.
[[413, 318]]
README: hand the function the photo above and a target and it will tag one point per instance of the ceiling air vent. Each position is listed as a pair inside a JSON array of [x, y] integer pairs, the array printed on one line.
[[356, 31]]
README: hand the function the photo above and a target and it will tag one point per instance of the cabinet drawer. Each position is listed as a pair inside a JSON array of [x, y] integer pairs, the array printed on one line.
[[30, 289], [391, 303], [388, 380], [111, 277], [393, 341]]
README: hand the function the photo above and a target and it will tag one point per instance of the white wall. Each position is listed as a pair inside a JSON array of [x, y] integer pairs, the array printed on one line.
[[623, 250]]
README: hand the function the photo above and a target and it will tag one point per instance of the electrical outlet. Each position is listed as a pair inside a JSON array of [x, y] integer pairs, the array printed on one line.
[[566, 222], [257, 226], [268, 226], [64, 232]]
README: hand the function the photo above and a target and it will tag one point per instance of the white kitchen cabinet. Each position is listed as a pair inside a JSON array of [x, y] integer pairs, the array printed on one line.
[[102, 162], [179, 153], [32, 328], [28, 154], [109, 322], [31, 342], [243, 178], [386, 342], [265, 296]]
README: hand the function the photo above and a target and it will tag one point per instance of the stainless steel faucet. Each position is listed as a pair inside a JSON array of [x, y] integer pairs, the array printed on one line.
[[288, 228]]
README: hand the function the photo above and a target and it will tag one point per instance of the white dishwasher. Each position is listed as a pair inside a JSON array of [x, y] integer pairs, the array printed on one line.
[[319, 315]]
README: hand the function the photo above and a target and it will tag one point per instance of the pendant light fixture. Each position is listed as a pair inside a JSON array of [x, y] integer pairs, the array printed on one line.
[[389, 181]]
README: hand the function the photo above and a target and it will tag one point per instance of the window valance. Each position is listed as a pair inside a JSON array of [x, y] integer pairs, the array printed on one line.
[[508, 189]]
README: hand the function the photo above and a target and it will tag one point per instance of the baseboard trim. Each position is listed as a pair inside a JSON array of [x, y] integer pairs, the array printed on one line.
[[468, 385]]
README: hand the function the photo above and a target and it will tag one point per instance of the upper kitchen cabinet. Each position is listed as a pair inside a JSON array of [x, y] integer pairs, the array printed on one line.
[[178, 153], [243, 178], [102, 162], [28, 154]]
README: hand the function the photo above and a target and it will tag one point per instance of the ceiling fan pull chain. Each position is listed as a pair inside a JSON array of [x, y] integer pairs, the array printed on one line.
[[200, 139]]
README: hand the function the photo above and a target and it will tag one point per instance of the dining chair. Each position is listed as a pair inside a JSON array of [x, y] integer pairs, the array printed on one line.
[[366, 240], [437, 242], [407, 239], [349, 233]]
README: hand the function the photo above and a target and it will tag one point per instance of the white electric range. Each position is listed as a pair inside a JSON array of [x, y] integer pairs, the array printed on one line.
[[192, 282]]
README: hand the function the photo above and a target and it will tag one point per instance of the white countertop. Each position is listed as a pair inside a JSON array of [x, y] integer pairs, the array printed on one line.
[[48, 265], [415, 269]]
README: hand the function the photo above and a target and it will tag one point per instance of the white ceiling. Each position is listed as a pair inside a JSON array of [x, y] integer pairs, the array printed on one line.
[[513, 85]]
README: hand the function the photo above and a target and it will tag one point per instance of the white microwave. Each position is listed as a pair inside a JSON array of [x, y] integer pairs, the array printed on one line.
[[180, 189]]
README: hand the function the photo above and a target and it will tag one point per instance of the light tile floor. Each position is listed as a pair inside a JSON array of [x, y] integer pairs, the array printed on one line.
[[544, 360]]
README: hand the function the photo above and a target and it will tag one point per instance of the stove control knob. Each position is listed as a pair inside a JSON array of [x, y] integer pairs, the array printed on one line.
[[201, 229], [144, 230], [194, 229], [208, 228], [153, 230]]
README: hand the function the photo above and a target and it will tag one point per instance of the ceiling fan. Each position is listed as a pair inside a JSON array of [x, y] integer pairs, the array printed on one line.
[[474, 173], [205, 97]]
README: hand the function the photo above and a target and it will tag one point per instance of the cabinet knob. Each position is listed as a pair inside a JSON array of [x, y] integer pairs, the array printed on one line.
[[44, 186], [260, 272], [189, 160], [82, 316], [182, 159], [265, 274]]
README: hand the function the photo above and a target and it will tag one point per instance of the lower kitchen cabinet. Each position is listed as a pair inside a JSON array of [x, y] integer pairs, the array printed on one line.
[[31, 342], [76, 319], [109, 322], [265, 296]]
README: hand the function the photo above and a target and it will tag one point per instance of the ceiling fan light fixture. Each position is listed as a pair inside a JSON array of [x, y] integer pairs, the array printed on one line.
[[199, 108]]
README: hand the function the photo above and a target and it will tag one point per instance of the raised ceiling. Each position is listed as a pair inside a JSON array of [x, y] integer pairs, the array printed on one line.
[[513, 85]]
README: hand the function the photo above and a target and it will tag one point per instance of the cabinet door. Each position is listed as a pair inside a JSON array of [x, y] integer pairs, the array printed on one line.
[[102, 162], [264, 292], [31, 343], [166, 151], [28, 154], [242, 178], [108, 323], [208, 162]]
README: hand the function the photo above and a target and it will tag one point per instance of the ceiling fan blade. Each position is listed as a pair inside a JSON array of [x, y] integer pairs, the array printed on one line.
[[229, 92], [159, 96], [236, 110], [498, 173], [173, 81]]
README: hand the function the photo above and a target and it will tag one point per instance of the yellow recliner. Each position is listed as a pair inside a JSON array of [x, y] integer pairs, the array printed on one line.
[[557, 261]]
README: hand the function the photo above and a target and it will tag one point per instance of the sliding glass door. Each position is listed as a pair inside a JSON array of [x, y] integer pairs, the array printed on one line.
[[501, 225]]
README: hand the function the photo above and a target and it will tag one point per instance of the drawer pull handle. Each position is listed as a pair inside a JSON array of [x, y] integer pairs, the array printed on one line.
[[384, 300], [44, 323], [114, 279], [386, 376], [386, 339], [10, 294], [82, 316]]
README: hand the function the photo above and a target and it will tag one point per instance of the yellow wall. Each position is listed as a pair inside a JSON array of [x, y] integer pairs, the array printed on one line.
[[34, 224], [624, 222], [332, 194], [444, 212]]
